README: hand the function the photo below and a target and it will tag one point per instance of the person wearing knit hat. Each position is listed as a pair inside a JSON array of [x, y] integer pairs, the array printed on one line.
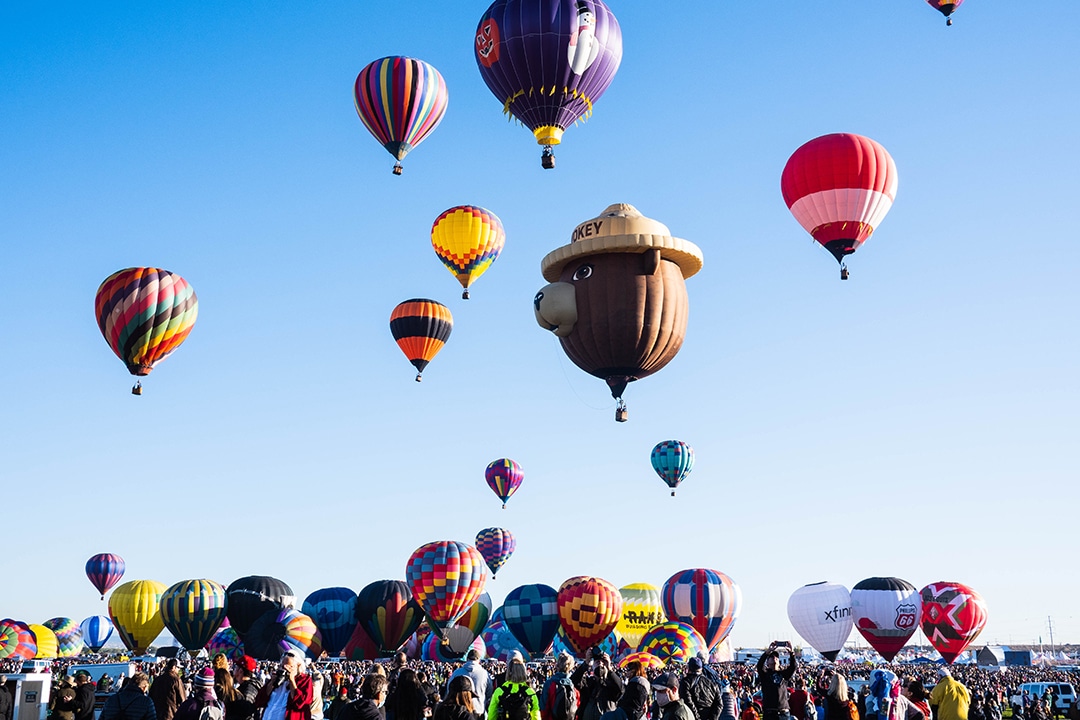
[[203, 703]]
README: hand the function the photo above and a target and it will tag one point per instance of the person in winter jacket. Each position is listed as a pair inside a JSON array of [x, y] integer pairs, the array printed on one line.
[[599, 685], [636, 691], [202, 696], [481, 680], [700, 692], [374, 690], [287, 696], [949, 699], [167, 691], [670, 705], [460, 702], [514, 699], [131, 703]]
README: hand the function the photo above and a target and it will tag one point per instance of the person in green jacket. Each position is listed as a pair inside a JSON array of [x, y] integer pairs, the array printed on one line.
[[514, 699]]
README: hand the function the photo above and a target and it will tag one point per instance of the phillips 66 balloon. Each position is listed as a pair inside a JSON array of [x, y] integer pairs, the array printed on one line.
[[548, 61], [672, 460], [467, 239], [953, 615], [840, 187], [886, 612], [708, 600], [104, 570], [821, 614], [446, 578], [504, 477]]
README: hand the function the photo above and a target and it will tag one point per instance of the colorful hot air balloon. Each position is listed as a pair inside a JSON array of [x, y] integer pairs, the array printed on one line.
[[334, 612], [135, 609], [504, 477], [17, 640], [531, 614], [48, 646], [886, 611], [945, 7], [68, 635], [467, 239], [499, 643], [387, 612], [706, 599], [436, 651], [548, 61], [821, 614], [673, 641], [249, 598], [446, 578], [672, 460], [953, 615], [193, 610], [647, 660], [96, 631], [361, 646], [840, 187], [642, 608], [400, 100], [609, 645], [421, 328], [468, 627], [589, 609], [144, 314], [226, 642], [277, 631], [496, 545], [104, 570]]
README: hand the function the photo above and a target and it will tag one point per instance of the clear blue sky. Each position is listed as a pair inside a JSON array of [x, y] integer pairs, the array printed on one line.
[[919, 420]]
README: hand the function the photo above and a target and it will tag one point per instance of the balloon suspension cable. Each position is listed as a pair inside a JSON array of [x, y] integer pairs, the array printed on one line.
[[135, 390], [465, 294], [419, 377], [621, 415], [547, 158], [844, 274], [397, 168]]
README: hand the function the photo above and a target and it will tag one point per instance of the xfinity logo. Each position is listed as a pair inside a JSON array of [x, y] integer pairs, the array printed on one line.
[[837, 613]]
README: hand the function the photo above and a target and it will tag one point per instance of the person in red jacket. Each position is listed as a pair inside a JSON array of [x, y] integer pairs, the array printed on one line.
[[288, 694]]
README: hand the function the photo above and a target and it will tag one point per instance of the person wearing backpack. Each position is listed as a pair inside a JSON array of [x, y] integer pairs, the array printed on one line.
[[203, 703], [514, 699], [838, 703], [559, 699], [700, 693], [131, 703]]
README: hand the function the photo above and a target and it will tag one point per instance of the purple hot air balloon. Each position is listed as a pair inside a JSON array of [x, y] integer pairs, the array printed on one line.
[[496, 545], [104, 571], [548, 61]]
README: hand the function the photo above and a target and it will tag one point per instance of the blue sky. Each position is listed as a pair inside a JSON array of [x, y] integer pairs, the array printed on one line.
[[918, 420]]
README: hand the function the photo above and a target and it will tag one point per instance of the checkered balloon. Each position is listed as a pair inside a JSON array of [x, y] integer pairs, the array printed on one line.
[[446, 578], [589, 608]]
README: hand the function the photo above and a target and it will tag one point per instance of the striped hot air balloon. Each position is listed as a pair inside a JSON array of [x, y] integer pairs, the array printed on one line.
[[388, 614], [470, 625], [589, 610], [706, 599], [641, 610], [400, 100], [278, 631], [504, 477], [17, 640], [421, 327], [467, 239], [193, 610], [104, 570], [446, 578], [647, 660], [96, 631], [840, 187], [673, 641], [145, 313], [496, 545], [135, 609], [48, 646]]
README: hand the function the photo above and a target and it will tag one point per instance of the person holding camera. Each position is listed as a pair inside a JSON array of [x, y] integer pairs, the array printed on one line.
[[776, 681], [600, 686], [288, 694]]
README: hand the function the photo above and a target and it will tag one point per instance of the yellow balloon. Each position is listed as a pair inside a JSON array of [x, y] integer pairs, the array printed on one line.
[[135, 611], [467, 239], [641, 609], [47, 644]]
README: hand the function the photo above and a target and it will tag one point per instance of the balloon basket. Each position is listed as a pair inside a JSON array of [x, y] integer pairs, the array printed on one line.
[[621, 415], [419, 377], [948, 22], [397, 168], [465, 295], [547, 159], [672, 493], [844, 274], [136, 389]]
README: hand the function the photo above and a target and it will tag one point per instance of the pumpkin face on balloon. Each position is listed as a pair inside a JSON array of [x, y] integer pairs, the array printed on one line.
[[617, 299]]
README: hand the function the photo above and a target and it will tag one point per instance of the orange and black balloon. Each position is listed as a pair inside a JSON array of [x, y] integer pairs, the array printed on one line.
[[421, 327]]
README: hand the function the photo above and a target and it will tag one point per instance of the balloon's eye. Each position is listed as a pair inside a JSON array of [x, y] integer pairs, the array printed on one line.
[[582, 272]]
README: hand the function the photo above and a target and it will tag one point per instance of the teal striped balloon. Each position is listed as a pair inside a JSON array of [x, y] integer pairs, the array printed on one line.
[[193, 610]]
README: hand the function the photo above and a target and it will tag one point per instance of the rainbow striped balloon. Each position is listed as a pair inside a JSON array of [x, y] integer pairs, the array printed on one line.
[[193, 611], [144, 314], [673, 641], [400, 100], [648, 660], [467, 239], [17, 640]]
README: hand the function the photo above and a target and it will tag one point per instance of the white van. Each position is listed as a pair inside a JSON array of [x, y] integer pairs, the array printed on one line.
[[1064, 694]]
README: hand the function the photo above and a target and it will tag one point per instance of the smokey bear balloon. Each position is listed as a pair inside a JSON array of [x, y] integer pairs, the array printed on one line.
[[617, 296]]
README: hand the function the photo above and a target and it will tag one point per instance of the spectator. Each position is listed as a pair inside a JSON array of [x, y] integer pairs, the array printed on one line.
[[776, 682], [167, 691], [84, 696], [634, 702], [373, 692], [481, 680], [700, 693], [407, 700], [132, 702], [671, 707], [514, 699], [460, 702], [247, 689], [288, 694], [949, 699], [600, 688], [559, 698], [202, 697]]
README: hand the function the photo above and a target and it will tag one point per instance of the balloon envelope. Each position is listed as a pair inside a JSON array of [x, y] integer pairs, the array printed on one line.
[[446, 577], [641, 610], [886, 612], [672, 460], [104, 570], [531, 614], [47, 645], [135, 609], [673, 641], [193, 610], [496, 545], [589, 610], [499, 642], [334, 612], [561, 644], [470, 625], [96, 631], [278, 631], [708, 600], [821, 614], [648, 660], [388, 614], [467, 239], [226, 642], [953, 615], [17, 640], [504, 477], [249, 598], [421, 328], [68, 636]]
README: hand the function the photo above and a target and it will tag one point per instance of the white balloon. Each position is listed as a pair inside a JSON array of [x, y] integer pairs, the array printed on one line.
[[821, 614]]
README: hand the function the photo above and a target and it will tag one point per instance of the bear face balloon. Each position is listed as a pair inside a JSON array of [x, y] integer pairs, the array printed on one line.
[[617, 299]]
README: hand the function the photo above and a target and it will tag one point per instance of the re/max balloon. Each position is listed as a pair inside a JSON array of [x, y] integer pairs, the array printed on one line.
[[135, 609], [642, 609], [496, 545], [886, 612], [446, 578], [467, 239], [388, 614], [672, 460], [531, 614], [821, 614], [104, 570], [193, 610], [953, 615], [334, 612]]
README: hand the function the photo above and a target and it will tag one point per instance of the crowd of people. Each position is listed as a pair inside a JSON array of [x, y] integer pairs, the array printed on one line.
[[777, 687]]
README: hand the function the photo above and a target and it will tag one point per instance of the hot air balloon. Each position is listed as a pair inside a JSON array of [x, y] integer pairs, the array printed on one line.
[[387, 612], [467, 239], [672, 460], [589, 609], [400, 100], [48, 646], [96, 631], [504, 477], [226, 642], [421, 328], [945, 7], [104, 571], [193, 610], [17, 640], [278, 631], [144, 314], [840, 187], [821, 614], [647, 660], [135, 609], [641, 610], [609, 645], [673, 641], [436, 651], [616, 297], [446, 578], [496, 546], [361, 646], [68, 635], [706, 599], [953, 615], [886, 611], [548, 61], [531, 614], [249, 598], [334, 612], [468, 627], [499, 643]]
